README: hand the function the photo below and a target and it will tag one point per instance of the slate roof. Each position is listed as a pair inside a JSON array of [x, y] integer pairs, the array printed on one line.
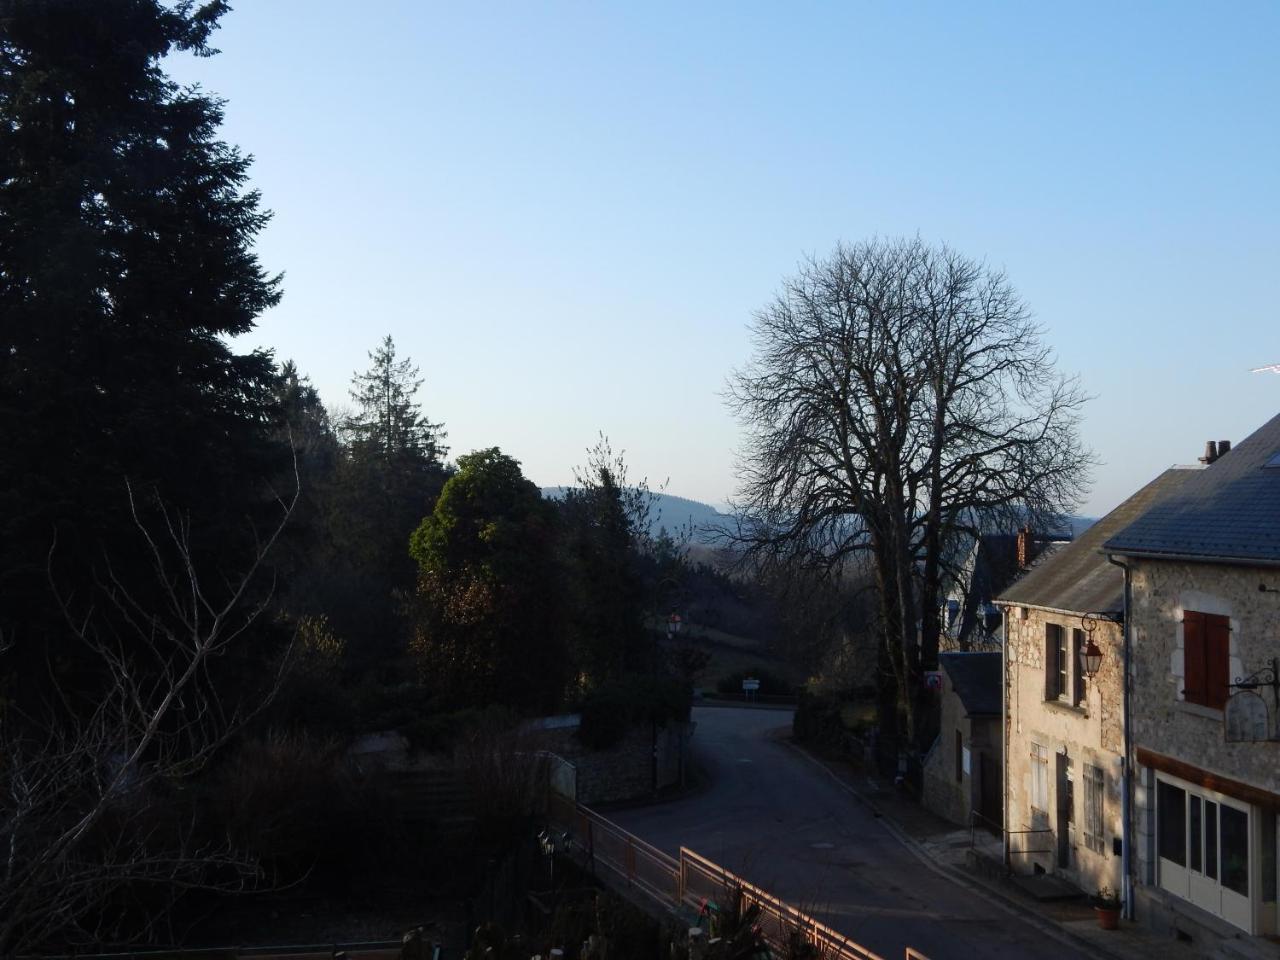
[[1229, 511], [1077, 576], [975, 676]]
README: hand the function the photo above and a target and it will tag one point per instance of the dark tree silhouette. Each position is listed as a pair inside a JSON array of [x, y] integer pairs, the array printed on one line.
[[900, 396], [126, 260]]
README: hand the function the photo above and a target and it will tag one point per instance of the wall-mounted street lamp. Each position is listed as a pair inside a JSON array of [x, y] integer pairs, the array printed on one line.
[[1091, 653]]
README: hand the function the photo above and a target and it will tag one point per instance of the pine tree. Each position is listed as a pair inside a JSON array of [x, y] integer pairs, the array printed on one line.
[[388, 480], [389, 426], [126, 233]]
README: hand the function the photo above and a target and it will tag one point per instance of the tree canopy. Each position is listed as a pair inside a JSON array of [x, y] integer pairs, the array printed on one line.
[[126, 260], [899, 396], [486, 628]]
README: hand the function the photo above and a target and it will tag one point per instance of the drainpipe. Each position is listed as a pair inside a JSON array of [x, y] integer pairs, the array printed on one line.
[[1004, 732], [1126, 794]]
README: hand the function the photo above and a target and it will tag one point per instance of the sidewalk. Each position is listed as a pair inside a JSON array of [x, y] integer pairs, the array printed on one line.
[[948, 849]]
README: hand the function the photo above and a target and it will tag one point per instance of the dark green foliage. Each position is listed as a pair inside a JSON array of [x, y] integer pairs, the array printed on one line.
[[818, 719], [293, 802], [126, 260], [387, 480], [485, 616], [612, 709], [606, 600]]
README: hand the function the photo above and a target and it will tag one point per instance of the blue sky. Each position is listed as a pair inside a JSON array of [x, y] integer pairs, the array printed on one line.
[[566, 213]]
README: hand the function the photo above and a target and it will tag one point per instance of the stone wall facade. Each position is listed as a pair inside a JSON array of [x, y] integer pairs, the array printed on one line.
[[1072, 744], [953, 798], [1183, 743]]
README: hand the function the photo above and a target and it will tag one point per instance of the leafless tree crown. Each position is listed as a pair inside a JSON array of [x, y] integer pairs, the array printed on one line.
[[901, 395]]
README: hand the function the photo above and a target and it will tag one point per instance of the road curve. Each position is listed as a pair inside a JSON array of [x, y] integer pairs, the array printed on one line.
[[776, 818]]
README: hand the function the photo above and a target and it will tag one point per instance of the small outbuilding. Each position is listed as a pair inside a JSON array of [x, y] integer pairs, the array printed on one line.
[[963, 773]]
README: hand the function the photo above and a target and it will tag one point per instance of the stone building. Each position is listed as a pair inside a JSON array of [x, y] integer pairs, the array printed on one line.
[[1065, 733], [963, 773], [1203, 577]]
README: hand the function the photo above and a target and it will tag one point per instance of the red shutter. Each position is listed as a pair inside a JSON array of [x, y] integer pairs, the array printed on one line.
[[1193, 680], [1217, 660]]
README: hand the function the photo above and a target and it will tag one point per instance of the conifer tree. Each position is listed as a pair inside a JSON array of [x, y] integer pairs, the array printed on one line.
[[389, 425], [126, 261]]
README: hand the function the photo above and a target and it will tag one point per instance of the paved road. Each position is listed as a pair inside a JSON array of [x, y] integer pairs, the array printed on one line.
[[778, 819]]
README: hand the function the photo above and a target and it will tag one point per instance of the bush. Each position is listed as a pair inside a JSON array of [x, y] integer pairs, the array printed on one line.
[[818, 719], [609, 711], [771, 685], [290, 800]]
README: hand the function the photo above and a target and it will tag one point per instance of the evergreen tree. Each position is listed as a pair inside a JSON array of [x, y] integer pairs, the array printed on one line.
[[126, 233], [386, 482], [485, 626], [604, 536], [389, 426]]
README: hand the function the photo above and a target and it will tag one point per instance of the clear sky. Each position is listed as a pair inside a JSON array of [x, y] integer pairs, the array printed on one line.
[[566, 213]]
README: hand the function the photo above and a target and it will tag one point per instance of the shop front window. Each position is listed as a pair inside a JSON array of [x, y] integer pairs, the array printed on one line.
[[1171, 819], [1235, 850]]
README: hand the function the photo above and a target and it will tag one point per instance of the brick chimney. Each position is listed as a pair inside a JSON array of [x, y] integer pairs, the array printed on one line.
[[1025, 547], [1213, 450]]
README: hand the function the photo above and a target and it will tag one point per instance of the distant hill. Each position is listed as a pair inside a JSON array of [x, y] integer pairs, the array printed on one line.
[[677, 514], [680, 515]]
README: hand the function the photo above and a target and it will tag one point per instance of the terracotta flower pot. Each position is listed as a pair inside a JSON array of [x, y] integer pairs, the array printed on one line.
[[1108, 917]]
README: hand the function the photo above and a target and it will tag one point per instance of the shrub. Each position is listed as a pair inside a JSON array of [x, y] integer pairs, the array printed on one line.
[[609, 711], [818, 719]]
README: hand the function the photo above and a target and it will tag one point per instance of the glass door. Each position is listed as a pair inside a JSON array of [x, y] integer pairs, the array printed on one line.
[[1204, 842]]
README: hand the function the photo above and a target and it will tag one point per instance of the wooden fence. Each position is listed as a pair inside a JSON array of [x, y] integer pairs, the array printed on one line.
[[691, 880]]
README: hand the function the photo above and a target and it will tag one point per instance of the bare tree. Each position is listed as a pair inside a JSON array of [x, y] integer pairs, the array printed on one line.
[[87, 813], [899, 396]]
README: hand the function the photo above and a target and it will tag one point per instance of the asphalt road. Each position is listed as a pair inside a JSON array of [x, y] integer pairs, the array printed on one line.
[[775, 817]]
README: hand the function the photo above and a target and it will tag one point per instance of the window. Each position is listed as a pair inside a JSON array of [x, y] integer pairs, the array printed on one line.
[[1211, 840], [959, 757], [1095, 782], [1196, 838], [1039, 780], [1057, 663], [1206, 648], [1235, 850], [1204, 838], [1171, 822]]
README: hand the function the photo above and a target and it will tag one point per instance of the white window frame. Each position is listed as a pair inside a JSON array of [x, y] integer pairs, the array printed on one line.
[[1195, 886]]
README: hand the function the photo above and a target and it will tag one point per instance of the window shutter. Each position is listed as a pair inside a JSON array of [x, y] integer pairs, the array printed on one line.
[[1193, 661], [1077, 644], [1050, 661], [1217, 660]]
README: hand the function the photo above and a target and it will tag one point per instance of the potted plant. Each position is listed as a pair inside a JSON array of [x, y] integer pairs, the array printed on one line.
[[1107, 906]]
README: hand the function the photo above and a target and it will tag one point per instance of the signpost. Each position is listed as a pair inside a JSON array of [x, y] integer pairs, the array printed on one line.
[[750, 688], [1246, 718]]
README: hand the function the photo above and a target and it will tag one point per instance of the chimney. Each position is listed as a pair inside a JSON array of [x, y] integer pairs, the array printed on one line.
[[1024, 547], [1210, 452], [1224, 447]]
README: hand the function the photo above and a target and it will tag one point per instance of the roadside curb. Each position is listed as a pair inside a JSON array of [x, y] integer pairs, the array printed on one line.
[[997, 896]]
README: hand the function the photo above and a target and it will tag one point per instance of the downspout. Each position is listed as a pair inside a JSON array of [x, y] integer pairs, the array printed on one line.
[[1004, 733], [1126, 793]]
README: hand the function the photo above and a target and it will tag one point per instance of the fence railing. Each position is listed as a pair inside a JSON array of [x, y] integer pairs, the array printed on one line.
[[1031, 836], [692, 880]]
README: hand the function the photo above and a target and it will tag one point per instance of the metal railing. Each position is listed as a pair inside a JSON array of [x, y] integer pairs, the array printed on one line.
[[693, 881]]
